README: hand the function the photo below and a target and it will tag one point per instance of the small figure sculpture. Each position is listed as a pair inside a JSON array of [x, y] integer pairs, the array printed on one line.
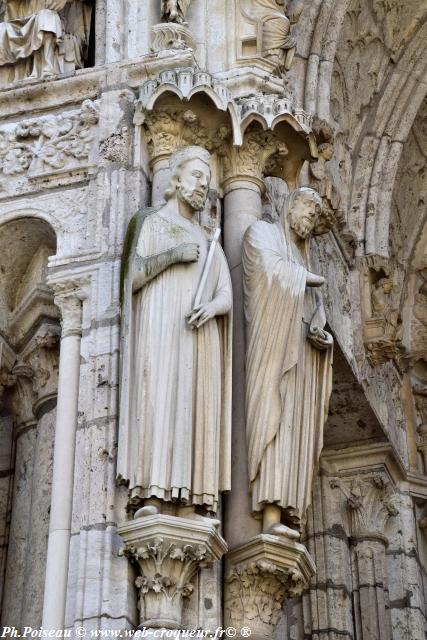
[[175, 10], [288, 367], [380, 297], [278, 42], [175, 425], [41, 38]]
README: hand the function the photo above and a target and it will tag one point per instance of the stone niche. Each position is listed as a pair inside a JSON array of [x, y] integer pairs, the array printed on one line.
[[29, 355]]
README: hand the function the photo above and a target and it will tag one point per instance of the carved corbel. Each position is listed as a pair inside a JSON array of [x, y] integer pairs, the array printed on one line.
[[260, 575], [168, 555]]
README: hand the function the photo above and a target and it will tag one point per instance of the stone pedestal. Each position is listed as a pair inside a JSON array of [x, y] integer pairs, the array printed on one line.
[[260, 575], [169, 35], [168, 552]]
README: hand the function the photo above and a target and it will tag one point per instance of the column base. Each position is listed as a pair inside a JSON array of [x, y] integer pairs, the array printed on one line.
[[168, 551], [260, 575]]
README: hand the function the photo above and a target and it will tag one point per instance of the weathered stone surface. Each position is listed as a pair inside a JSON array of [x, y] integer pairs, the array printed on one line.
[[90, 110]]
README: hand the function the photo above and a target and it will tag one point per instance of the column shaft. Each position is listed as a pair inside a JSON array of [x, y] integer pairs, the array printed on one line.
[[63, 468], [242, 207]]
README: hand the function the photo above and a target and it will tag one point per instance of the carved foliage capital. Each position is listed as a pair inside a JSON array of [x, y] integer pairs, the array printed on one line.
[[259, 152], [69, 296], [256, 592], [370, 501], [168, 129]]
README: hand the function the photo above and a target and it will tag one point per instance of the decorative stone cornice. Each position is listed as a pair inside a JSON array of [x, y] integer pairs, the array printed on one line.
[[260, 574], [269, 110], [168, 552]]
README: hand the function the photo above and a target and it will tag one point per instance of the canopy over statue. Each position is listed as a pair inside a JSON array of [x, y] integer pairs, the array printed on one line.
[[175, 416], [289, 357]]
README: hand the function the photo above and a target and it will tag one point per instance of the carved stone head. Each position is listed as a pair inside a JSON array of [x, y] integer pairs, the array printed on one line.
[[191, 176], [303, 210]]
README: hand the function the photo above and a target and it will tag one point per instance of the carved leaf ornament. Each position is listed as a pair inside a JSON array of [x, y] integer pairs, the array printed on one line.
[[35, 147]]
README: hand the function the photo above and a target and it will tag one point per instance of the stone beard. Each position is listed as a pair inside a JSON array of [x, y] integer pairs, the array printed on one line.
[[175, 424], [289, 357]]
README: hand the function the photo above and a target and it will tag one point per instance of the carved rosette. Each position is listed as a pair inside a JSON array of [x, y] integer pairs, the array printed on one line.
[[168, 552], [261, 574]]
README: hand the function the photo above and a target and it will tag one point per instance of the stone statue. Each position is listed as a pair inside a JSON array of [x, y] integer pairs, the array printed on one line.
[[41, 38], [288, 367], [175, 424], [175, 10], [278, 42]]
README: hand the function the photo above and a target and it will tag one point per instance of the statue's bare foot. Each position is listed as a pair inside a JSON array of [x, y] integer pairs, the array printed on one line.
[[149, 510], [314, 280], [284, 531]]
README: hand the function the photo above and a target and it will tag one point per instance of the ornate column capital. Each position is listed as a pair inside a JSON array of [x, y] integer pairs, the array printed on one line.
[[168, 552], [260, 575], [370, 502], [258, 154], [42, 354], [69, 295], [169, 128]]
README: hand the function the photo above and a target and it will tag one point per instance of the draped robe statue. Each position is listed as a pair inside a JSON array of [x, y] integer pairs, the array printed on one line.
[[277, 18], [289, 357], [40, 38], [175, 411]]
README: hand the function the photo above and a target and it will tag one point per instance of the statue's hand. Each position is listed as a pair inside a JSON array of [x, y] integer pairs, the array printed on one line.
[[313, 280], [201, 314], [319, 338], [187, 252]]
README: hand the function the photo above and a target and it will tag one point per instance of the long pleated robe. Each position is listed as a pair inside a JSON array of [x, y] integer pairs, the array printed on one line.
[[288, 381], [175, 416]]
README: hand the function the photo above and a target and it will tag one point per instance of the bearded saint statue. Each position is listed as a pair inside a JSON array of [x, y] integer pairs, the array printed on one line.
[[175, 411], [288, 367]]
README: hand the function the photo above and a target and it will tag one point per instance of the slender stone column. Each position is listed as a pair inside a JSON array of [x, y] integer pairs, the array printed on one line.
[[161, 177], [70, 303], [242, 207]]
